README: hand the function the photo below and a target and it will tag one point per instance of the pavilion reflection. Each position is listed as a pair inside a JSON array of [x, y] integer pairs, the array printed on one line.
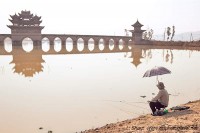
[[27, 64], [136, 56]]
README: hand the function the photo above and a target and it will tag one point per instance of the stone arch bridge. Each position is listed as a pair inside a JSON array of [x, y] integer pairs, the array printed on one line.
[[63, 38]]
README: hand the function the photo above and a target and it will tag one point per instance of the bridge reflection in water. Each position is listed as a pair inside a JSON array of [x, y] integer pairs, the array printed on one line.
[[28, 61]]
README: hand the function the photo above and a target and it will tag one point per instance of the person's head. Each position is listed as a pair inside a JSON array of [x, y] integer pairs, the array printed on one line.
[[160, 85]]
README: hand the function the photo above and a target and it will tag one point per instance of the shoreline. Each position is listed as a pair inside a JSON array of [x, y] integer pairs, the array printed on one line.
[[174, 121]]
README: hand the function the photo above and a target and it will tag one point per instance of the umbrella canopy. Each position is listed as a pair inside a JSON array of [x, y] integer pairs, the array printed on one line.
[[156, 71]]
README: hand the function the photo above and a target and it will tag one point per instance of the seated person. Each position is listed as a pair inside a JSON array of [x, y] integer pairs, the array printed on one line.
[[161, 100]]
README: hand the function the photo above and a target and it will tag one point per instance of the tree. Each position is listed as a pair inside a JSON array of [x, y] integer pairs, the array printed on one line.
[[173, 32], [150, 34], [145, 36], [164, 34], [168, 32]]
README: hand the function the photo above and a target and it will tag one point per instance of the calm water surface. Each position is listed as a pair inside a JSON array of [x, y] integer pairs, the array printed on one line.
[[73, 92]]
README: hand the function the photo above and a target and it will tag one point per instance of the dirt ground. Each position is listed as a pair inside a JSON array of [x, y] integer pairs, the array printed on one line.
[[185, 121]]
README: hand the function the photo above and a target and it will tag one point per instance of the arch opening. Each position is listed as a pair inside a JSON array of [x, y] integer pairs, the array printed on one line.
[[69, 44], [91, 44], [57, 44], [101, 44], [129, 44], [8, 44], [111, 44], [45, 44], [80, 44], [121, 44], [27, 44]]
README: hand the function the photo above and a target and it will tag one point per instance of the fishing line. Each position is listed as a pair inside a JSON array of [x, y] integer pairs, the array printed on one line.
[[124, 110], [135, 105], [176, 94], [128, 103], [125, 101]]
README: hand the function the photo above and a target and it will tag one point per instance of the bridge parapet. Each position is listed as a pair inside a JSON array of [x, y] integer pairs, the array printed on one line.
[[63, 37], [96, 38]]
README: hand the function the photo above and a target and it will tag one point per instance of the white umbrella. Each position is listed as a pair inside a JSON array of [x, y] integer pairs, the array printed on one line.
[[156, 71]]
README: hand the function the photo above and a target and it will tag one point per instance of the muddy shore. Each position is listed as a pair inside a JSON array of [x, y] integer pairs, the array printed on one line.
[[175, 121]]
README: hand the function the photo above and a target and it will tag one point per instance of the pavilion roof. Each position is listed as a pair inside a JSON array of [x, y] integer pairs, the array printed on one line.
[[25, 18], [137, 24]]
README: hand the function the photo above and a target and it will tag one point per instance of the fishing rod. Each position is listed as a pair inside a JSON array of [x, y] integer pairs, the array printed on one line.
[[135, 105], [125, 110], [124, 101], [129, 103]]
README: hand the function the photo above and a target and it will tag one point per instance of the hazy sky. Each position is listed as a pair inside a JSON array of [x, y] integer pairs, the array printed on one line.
[[107, 17]]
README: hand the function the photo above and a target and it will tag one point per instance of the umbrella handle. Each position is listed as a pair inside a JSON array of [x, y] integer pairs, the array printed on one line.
[[157, 78]]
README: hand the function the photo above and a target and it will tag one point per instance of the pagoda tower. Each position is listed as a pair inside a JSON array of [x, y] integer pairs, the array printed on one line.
[[25, 24], [137, 32]]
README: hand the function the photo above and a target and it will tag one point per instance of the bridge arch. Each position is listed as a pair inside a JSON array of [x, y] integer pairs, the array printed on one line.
[[121, 44], [80, 44], [8, 44], [47, 37], [3, 37], [101, 44], [111, 44], [69, 44], [27, 44], [57, 44], [129, 42], [45, 44], [91, 44]]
